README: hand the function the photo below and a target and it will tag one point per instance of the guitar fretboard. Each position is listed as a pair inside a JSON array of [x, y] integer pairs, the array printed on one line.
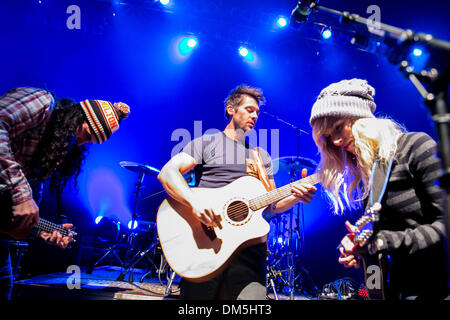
[[280, 193], [49, 226]]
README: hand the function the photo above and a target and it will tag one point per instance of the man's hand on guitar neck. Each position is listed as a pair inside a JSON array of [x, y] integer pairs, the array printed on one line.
[[25, 216], [55, 238], [303, 191]]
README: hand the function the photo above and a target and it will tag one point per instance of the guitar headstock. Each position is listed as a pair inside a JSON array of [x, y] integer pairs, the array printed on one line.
[[365, 224]]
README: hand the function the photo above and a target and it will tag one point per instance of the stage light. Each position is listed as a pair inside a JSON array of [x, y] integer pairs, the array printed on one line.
[[107, 228], [418, 58], [280, 240], [186, 45], [164, 2], [417, 52], [281, 22], [98, 219], [132, 223], [243, 51], [246, 54], [192, 43], [326, 34]]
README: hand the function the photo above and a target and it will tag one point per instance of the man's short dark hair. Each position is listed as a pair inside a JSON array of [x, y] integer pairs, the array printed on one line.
[[236, 97]]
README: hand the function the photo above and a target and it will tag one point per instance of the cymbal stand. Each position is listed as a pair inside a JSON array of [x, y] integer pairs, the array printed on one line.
[[170, 282], [111, 249], [274, 273], [162, 269], [136, 258], [290, 254], [128, 264]]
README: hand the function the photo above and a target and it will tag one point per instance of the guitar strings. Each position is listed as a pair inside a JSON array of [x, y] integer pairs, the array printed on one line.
[[284, 191], [50, 227], [241, 209]]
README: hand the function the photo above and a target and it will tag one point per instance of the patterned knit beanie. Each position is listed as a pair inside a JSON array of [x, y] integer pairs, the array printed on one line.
[[346, 98], [104, 117]]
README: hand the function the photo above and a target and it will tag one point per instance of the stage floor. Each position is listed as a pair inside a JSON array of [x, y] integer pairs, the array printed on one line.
[[101, 284]]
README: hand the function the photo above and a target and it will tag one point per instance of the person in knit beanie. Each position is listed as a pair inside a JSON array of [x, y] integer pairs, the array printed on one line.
[[352, 141], [42, 138]]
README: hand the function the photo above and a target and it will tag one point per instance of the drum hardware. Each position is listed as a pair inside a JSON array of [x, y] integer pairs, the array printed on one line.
[[288, 252], [108, 231], [142, 229], [142, 170], [17, 251], [163, 269], [139, 255]]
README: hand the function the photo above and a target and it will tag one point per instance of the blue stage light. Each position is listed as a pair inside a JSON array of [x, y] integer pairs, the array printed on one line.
[[281, 22], [134, 224], [186, 45], [417, 52], [164, 2], [326, 34], [243, 51], [418, 58], [192, 43], [98, 219], [246, 54]]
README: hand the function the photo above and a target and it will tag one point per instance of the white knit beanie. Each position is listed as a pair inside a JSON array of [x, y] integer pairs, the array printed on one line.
[[346, 98]]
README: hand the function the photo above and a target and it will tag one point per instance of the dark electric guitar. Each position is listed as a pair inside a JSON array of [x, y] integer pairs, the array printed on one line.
[[375, 267]]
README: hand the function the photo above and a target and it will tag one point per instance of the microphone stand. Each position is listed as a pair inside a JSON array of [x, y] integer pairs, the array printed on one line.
[[397, 44], [293, 177]]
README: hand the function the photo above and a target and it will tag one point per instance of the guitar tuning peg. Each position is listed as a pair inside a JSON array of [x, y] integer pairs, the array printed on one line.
[[376, 207]]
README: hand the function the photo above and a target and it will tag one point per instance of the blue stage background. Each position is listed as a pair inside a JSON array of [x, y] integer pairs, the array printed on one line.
[[127, 51]]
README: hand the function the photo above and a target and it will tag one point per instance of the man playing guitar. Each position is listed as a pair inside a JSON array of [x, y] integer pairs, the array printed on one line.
[[40, 140], [218, 160]]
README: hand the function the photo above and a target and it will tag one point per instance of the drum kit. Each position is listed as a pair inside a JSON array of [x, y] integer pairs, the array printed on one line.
[[284, 241], [142, 243]]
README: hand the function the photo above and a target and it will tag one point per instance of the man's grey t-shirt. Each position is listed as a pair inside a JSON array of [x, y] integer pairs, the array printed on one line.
[[221, 160]]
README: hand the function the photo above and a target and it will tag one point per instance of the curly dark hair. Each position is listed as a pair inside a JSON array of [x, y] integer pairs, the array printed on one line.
[[58, 157]]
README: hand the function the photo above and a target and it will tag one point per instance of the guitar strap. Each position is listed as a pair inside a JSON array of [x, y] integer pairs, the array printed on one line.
[[378, 181], [262, 173]]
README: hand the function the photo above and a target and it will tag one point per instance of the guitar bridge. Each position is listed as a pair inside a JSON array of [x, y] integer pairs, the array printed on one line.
[[209, 231]]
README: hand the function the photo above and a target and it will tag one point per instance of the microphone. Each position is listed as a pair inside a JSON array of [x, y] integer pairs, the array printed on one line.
[[301, 12]]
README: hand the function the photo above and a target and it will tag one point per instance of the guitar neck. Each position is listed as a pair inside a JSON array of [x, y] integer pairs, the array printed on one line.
[[48, 226], [280, 193]]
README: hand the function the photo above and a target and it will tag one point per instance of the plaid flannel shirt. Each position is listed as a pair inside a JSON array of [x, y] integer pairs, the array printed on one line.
[[24, 115]]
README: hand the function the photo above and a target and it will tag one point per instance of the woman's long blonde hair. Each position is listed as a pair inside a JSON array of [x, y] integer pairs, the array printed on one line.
[[344, 175]]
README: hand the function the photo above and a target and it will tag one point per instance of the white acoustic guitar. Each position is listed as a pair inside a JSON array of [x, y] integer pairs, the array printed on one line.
[[199, 253]]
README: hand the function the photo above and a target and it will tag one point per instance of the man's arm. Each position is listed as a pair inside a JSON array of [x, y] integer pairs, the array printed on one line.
[[171, 177], [20, 110]]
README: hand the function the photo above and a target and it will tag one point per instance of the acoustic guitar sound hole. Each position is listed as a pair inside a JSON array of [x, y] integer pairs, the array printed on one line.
[[237, 211]]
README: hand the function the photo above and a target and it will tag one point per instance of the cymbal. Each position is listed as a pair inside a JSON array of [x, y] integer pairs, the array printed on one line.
[[290, 163], [137, 167]]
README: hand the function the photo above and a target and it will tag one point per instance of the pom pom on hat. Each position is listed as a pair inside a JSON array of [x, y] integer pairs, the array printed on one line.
[[104, 117]]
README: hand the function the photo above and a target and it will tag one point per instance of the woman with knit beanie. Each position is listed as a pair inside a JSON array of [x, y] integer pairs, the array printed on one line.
[[352, 143]]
